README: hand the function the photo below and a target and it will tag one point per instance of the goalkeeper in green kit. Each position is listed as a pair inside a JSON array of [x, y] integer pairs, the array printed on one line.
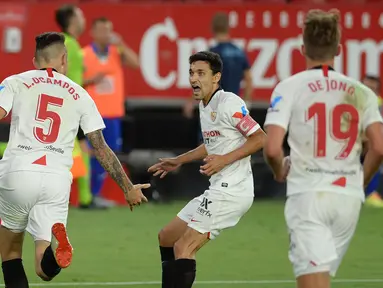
[[71, 21]]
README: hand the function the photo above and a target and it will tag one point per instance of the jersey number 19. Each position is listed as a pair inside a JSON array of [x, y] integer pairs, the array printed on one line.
[[346, 133]]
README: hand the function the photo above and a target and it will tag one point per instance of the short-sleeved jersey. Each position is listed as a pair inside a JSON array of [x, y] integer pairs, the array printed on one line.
[[326, 114], [226, 124], [47, 109]]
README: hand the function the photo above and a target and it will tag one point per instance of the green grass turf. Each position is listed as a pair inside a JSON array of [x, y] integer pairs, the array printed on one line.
[[121, 246]]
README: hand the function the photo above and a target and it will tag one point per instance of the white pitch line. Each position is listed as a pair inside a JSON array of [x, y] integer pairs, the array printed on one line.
[[237, 282]]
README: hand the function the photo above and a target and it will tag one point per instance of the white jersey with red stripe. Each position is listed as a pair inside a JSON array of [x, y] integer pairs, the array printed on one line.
[[226, 124], [47, 109], [326, 114]]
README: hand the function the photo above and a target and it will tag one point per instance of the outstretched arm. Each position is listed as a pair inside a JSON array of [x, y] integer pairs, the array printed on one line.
[[196, 154], [109, 161]]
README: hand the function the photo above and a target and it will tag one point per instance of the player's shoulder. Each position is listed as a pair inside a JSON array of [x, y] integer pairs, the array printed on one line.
[[294, 81], [228, 99], [358, 86], [16, 79], [22, 75], [78, 88]]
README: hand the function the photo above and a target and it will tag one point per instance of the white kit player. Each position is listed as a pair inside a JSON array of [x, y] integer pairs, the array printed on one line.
[[326, 115], [230, 136], [35, 179]]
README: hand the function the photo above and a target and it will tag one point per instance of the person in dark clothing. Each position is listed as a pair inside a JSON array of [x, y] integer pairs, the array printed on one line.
[[236, 66]]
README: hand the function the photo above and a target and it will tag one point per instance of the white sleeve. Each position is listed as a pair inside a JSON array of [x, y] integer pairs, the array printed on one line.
[[91, 119], [280, 108], [6, 96], [239, 117], [371, 113]]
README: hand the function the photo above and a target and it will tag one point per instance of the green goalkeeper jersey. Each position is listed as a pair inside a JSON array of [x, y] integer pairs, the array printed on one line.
[[75, 60]]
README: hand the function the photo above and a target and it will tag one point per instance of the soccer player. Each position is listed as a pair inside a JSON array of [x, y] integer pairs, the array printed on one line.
[[326, 115], [230, 137], [47, 109], [373, 197]]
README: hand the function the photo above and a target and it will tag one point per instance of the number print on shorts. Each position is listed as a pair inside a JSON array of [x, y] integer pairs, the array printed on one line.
[[44, 114], [345, 112]]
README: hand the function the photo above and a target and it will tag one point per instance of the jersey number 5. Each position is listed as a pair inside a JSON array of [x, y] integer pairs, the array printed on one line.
[[43, 114], [348, 134]]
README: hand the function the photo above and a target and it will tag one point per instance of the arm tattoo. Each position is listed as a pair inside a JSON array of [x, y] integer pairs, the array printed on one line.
[[109, 160]]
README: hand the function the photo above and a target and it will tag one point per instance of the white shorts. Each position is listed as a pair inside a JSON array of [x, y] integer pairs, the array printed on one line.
[[34, 201], [212, 212], [321, 226]]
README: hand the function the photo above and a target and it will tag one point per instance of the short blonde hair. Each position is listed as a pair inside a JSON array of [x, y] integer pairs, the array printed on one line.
[[321, 34]]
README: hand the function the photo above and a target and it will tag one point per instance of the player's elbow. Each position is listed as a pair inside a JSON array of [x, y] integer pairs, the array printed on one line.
[[271, 151], [259, 139]]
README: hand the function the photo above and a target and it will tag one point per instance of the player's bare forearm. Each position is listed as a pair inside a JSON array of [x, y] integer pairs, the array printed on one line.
[[109, 160], [273, 151], [254, 143], [275, 161], [198, 153], [371, 164]]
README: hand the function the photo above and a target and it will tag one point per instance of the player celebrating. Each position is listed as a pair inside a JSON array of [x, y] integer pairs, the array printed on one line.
[[326, 114], [35, 174], [230, 137]]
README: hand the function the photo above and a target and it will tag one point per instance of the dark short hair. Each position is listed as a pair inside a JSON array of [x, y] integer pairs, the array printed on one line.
[[212, 58], [47, 39], [373, 78], [100, 20], [63, 16]]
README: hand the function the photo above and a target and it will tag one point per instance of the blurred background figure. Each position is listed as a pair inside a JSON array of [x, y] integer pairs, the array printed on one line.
[[71, 21], [373, 197], [236, 67], [104, 59]]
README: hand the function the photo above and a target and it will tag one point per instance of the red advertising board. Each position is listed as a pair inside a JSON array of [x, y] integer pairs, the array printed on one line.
[[165, 36]]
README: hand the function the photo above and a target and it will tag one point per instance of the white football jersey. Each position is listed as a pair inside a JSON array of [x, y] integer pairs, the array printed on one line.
[[47, 109], [225, 124], [326, 114]]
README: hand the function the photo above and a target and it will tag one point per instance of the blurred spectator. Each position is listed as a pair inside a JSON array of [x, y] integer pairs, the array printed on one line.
[[235, 63], [71, 21], [373, 198], [104, 80]]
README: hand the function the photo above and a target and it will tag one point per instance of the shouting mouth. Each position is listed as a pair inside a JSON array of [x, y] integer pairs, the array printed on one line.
[[196, 88]]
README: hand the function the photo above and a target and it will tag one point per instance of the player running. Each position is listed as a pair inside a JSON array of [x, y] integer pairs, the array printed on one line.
[[326, 115], [230, 137], [35, 179]]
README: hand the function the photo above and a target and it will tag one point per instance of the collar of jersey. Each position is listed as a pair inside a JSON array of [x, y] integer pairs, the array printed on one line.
[[321, 67], [53, 69], [215, 92]]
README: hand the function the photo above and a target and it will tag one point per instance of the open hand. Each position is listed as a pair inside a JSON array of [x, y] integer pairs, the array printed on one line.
[[135, 196], [165, 166], [214, 164], [285, 170]]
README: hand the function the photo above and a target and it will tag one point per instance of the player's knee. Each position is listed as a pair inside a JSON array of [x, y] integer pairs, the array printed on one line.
[[164, 238]]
